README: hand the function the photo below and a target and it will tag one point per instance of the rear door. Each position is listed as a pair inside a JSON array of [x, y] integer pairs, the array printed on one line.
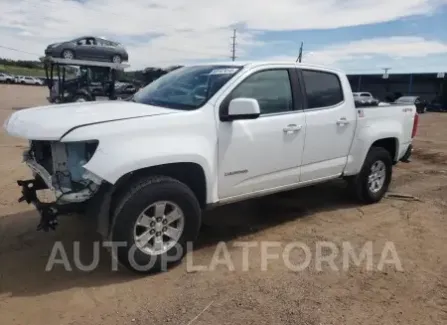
[[330, 124], [105, 49]]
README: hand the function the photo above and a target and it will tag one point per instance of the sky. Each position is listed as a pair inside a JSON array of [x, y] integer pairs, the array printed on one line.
[[358, 36]]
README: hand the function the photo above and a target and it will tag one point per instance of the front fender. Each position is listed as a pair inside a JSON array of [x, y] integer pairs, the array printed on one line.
[[114, 159], [128, 145]]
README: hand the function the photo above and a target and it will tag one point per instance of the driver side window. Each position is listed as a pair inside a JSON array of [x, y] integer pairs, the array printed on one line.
[[90, 41], [271, 88]]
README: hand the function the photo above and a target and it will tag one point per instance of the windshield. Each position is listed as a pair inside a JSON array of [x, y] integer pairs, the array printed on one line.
[[186, 88]]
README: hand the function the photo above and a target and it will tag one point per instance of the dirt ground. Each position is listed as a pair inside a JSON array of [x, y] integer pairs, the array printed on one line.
[[416, 294]]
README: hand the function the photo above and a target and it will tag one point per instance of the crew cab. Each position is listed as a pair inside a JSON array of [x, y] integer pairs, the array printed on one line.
[[148, 166]]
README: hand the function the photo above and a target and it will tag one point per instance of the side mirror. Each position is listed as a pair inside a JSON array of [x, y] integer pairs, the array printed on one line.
[[242, 109]]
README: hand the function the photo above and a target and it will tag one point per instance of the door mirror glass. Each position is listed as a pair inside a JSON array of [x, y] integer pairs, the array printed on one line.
[[243, 108]]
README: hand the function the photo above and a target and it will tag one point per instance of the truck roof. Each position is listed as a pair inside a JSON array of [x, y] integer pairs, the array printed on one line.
[[261, 63]]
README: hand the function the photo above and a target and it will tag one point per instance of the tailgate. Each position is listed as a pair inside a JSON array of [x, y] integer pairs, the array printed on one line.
[[409, 113]]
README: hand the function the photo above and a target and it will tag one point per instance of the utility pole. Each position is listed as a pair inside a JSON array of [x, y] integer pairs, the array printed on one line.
[[233, 50], [385, 76], [300, 54]]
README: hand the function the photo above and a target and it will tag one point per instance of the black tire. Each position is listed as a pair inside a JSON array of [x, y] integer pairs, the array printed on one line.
[[138, 198], [63, 54], [80, 98], [359, 184], [116, 59], [421, 110]]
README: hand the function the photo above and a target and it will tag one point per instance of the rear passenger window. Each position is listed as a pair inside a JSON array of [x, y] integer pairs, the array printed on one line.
[[323, 89]]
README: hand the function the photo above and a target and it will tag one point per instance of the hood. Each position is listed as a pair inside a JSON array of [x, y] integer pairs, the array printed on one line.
[[53, 45], [53, 121]]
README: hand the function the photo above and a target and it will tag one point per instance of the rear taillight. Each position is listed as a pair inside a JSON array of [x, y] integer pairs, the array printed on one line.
[[415, 125]]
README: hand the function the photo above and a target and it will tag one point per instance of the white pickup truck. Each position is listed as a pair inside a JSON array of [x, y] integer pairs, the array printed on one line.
[[25, 80], [202, 136]]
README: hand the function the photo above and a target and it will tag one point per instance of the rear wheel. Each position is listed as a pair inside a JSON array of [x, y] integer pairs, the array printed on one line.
[[371, 184], [68, 54], [153, 223]]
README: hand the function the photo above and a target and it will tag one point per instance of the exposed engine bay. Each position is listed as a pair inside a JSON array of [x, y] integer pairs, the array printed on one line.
[[59, 167]]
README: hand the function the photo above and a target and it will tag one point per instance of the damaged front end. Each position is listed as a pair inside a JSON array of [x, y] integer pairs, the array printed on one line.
[[58, 166]]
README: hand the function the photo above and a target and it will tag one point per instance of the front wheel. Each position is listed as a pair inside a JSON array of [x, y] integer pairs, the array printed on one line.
[[153, 223], [371, 184], [116, 59], [68, 55]]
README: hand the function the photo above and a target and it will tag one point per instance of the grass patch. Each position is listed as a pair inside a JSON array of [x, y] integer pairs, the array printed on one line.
[[21, 71]]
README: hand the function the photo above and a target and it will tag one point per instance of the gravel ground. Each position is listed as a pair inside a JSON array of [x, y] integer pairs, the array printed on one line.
[[265, 294]]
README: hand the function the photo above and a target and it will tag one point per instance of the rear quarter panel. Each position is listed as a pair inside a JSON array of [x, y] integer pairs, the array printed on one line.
[[377, 123]]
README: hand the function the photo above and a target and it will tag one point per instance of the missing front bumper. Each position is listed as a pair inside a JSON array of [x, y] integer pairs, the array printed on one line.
[[49, 211], [48, 215], [64, 195]]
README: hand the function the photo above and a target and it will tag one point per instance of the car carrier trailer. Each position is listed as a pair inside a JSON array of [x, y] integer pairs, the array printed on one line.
[[79, 89]]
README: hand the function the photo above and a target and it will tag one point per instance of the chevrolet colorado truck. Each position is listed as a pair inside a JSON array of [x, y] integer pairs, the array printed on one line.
[[202, 136]]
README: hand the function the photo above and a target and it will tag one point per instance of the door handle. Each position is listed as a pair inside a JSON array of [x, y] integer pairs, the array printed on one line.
[[291, 128], [342, 121]]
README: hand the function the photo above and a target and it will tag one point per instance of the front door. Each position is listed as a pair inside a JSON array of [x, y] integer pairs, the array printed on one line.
[[263, 153], [86, 48]]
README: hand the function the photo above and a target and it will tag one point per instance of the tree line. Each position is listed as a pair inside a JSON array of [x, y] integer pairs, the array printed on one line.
[[144, 76], [22, 63]]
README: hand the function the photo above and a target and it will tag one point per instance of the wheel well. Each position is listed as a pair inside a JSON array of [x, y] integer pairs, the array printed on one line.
[[70, 50], [389, 144], [191, 174]]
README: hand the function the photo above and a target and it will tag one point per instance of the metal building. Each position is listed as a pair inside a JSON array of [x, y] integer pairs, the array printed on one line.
[[427, 85]]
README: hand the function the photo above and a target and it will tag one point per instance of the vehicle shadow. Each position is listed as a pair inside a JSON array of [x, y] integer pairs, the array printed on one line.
[[24, 253], [230, 222]]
